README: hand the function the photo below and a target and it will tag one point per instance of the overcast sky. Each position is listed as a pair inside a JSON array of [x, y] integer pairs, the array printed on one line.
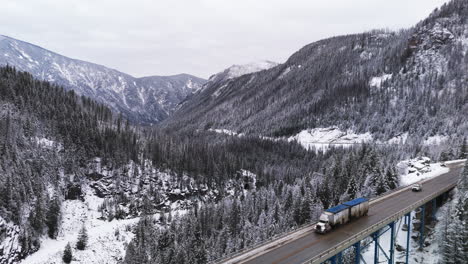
[[199, 37]]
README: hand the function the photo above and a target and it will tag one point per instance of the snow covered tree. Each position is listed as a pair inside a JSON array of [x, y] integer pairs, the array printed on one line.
[[463, 153], [391, 178], [67, 254], [53, 217], [455, 233], [82, 238], [463, 181], [352, 189]]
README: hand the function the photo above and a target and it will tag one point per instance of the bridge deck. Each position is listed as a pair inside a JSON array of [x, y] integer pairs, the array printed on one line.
[[310, 244]]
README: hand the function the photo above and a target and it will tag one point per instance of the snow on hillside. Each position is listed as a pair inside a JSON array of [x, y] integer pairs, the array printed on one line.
[[48, 144], [227, 132], [400, 139], [239, 70], [377, 81], [147, 100], [418, 169], [106, 242], [10, 246], [435, 140], [322, 138]]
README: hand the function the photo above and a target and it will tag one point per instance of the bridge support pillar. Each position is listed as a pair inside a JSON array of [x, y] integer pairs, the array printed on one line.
[[408, 235], [375, 236], [392, 243], [434, 208], [421, 231], [357, 252]]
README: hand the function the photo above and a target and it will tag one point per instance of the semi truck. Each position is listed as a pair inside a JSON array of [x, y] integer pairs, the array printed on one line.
[[342, 214]]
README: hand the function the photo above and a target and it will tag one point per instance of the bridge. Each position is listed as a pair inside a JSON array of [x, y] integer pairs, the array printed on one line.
[[305, 246]]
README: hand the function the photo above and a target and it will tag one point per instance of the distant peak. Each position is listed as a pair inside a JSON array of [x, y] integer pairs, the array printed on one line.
[[238, 70]]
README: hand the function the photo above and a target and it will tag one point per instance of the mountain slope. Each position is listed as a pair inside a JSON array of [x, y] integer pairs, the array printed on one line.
[[145, 100], [238, 70], [386, 83]]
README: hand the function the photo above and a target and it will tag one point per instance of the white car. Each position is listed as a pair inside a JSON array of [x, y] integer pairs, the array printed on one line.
[[416, 187]]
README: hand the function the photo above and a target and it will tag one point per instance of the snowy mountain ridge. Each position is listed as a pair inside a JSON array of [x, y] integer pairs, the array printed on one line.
[[238, 70], [144, 100], [382, 82]]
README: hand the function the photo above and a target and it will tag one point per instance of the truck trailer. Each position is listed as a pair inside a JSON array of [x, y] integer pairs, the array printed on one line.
[[342, 214]]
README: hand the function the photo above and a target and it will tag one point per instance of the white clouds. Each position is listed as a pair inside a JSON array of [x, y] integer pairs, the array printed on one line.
[[201, 37]]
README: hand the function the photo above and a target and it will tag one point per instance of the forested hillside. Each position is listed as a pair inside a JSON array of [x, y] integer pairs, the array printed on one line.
[[198, 195], [146, 100], [454, 228], [59, 147], [47, 135], [386, 83]]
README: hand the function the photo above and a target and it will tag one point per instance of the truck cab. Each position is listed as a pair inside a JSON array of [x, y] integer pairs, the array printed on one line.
[[323, 225]]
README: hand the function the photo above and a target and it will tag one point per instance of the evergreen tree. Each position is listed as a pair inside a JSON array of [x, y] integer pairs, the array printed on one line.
[[82, 238], [352, 189], [67, 254], [53, 217], [36, 217], [463, 153], [391, 179], [463, 181]]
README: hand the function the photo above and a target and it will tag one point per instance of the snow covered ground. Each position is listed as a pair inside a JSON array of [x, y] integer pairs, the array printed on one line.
[[323, 138], [435, 140], [227, 132], [10, 246], [48, 144], [377, 81], [418, 169], [106, 242]]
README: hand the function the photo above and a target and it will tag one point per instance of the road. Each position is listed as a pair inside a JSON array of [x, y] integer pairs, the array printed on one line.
[[310, 244]]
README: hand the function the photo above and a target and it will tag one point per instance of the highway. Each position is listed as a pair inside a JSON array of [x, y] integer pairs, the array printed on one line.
[[308, 245]]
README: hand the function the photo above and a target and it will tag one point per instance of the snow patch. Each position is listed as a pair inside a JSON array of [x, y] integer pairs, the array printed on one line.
[[435, 140], [378, 80], [10, 247], [239, 70], [106, 240], [323, 138], [400, 139], [227, 132], [418, 169], [48, 144], [286, 71]]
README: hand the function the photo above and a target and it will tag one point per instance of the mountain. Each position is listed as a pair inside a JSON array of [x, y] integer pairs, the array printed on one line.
[[146, 100], [238, 70], [207, 185], [386, 83]]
